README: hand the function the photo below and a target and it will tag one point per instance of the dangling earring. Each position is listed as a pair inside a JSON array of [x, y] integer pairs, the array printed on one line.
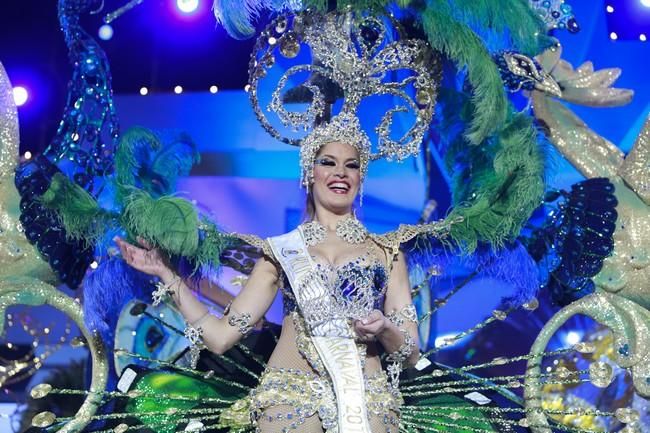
[[361, 195]]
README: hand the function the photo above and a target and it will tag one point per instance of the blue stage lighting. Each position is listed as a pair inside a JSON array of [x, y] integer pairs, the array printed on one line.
[[105, 32], [20, 95], [572, 337], [187, 6], [628, 19]]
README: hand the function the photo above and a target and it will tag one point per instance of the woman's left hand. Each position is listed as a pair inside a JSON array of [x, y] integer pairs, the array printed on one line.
[[370, 327]]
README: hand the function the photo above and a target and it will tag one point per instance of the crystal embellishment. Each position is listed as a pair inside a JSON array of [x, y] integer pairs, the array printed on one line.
[[601, 374]]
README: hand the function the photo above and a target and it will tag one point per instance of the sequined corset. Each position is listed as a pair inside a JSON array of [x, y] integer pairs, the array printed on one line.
[[357, 287]]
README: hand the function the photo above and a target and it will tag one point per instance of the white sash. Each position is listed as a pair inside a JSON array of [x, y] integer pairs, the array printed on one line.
[[330, 333]]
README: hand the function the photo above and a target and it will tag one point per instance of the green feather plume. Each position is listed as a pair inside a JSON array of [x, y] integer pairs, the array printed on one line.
[[503, 191], [77, 209], [466, 49], [511, 20], [170, 223], [126, 163], [213, 243]]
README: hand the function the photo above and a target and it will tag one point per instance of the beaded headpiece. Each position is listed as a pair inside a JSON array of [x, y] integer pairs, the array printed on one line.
[[350, 57]]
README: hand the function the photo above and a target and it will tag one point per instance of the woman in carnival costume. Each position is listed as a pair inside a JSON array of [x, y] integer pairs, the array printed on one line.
[[346, 292]]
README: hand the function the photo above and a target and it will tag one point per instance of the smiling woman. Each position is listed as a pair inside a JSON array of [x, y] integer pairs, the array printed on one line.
[[337, 178]]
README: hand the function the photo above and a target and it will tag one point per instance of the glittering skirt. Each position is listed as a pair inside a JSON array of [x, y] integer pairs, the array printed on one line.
[[290, 397]]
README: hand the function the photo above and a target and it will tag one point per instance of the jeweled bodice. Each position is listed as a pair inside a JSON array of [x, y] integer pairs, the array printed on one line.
[[356, 287]]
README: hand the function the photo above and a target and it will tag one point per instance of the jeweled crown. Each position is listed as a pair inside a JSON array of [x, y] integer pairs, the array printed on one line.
[[351, 57]]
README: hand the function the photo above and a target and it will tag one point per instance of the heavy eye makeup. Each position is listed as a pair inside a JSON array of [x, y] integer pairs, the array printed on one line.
[[353, 165], [327, 162]]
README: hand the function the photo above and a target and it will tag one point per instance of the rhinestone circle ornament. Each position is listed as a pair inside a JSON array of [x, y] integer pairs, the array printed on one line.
[[601, 374], [43, 419], [289, 45], [121, 428], [585, 347], [627, 415], [40, 390], [531, 305], [346, 58]]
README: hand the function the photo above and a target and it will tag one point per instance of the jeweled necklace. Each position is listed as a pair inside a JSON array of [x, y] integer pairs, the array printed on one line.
[[349, 229]]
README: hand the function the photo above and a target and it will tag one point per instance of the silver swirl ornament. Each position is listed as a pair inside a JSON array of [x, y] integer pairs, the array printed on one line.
[[342, 60], [630, 326]]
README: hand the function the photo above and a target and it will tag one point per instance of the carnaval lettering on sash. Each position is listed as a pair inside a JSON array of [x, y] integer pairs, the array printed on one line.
[[331, 334]]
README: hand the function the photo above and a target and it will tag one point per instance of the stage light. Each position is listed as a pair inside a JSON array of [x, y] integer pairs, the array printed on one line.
[[94, 265], [187, 6], [613, 36], [20, 95], [105, 32], [572, 337], [646, 3], [27, 155], [178, 90], [144, 91], [610, 9], [247, 87], [642, 37], [214, 89], [272, 41]]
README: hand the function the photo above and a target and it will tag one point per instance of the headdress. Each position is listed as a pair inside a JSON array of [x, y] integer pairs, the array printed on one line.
[[351, 57]]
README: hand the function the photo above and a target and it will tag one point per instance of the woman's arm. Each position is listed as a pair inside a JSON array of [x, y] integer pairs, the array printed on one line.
[[219, 334], [398, 306]]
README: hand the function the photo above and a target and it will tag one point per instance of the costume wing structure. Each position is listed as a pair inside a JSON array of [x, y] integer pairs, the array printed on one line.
[[592, 251], [81, 149], [26, 278], [82, 166], [575, 239]]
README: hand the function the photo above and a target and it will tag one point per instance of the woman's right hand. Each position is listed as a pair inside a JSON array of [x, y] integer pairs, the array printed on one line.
[[145, 258]]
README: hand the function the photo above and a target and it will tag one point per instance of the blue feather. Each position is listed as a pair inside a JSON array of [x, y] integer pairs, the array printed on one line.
[[237, 16], [511, 264], [107, 290]]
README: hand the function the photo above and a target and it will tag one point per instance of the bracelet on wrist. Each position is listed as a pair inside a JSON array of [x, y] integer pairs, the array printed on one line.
[[194, 335], [164, 290], [405, 314], [396, 359]]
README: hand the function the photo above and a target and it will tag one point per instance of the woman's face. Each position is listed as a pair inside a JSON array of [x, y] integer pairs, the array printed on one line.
[[337, 177]]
